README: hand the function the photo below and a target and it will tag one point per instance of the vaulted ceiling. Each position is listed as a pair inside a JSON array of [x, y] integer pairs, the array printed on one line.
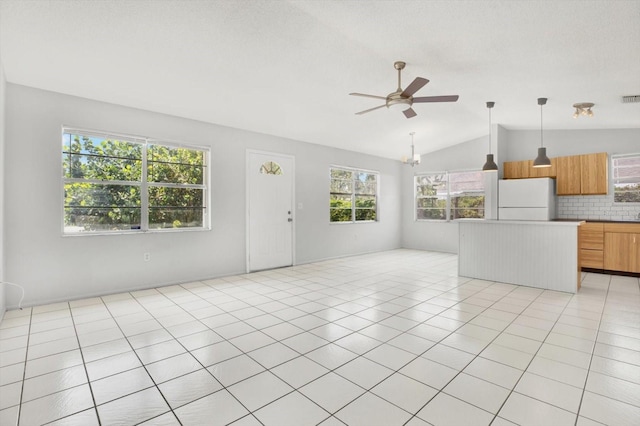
[[286, 67]]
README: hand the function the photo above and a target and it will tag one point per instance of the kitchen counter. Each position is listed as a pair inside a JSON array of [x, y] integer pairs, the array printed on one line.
[[560, 222], [542, 254], [598, 221]]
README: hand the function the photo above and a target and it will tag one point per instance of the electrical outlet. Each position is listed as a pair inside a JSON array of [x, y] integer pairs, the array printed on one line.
[[147, 257]]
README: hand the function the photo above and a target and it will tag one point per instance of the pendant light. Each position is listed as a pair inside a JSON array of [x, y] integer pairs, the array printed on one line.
[[541, 160], [490, 165]]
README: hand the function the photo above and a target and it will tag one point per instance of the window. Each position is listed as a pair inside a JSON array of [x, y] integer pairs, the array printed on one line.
[[271, 168], [122, 183], [353, 195], [431, 196], [626, 178], [466, 194], [449, 195]]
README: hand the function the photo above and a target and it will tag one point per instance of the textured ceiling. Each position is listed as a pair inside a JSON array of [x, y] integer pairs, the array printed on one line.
[[286, 67]]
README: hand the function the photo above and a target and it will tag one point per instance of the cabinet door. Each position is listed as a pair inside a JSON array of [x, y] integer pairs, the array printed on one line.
[[634, 253], [622, 252], [568, 175], [594, 174], [536, 172], [516, 169]]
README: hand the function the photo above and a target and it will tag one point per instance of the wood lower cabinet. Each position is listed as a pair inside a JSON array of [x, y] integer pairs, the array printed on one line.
[[568, 175], [622, 247], [592, 245]]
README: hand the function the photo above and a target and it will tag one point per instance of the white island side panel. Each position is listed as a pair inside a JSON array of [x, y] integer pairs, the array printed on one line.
[[535, 254]]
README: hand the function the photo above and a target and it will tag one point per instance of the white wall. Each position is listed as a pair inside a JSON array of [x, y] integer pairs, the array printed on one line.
[[3, 304], [523, 144], [437, 235], [52, 267], [514, 145]]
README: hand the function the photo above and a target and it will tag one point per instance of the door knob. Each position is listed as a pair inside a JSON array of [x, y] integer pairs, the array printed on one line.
[[289, 220]]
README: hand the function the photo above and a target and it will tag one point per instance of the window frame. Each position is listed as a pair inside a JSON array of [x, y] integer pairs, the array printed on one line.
[[144, 183], [448, 198], [353, 194], [614, 179], [416, 195]]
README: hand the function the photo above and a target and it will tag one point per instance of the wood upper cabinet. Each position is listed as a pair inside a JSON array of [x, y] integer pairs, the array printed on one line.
[[524, 169], [517, 169], [582, 174], [594, 172], [568, 175], [536, 172], [575, 175], [622, 247]]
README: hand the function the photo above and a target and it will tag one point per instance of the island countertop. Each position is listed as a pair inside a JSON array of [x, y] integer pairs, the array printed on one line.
[[525, 222]]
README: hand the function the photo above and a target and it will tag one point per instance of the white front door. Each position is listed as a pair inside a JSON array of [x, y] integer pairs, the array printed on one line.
[[270, 210]]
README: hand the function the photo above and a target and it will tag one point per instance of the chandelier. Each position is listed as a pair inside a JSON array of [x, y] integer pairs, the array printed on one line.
[[415, 158]]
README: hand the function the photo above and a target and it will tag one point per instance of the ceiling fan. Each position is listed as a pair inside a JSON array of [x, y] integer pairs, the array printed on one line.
[[403, 99]]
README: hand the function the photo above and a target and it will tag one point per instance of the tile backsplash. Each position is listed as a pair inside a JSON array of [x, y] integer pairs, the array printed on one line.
[[595, 207]]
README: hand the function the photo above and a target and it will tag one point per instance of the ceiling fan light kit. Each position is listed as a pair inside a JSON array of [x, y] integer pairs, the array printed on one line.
[[583, 108], [403, 100], [490, 165], [541, 160]]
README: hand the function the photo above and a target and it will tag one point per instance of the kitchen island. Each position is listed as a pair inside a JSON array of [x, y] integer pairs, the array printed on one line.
[[538, 254]]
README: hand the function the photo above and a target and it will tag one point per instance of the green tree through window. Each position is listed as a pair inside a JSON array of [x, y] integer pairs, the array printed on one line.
[[626, 178], [449, 195], [105, 189], [353, 195]]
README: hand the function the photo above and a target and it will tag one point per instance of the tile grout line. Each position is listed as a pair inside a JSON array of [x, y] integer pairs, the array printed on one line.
[[330, 342], [475, 357], [143, 366], [223, 387], [586, 380], [529, 364], [398, 289], [84, 366], [24, 373]]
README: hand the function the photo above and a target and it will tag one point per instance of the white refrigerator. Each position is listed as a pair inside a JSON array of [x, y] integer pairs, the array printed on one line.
[[527, 199]]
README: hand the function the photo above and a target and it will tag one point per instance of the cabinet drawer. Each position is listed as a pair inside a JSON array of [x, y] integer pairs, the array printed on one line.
[[592, 226], [592, 240], [629, 228], [592, 235], [592, 258]]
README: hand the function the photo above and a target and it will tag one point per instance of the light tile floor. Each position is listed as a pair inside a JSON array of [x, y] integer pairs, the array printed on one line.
[[393, 338]]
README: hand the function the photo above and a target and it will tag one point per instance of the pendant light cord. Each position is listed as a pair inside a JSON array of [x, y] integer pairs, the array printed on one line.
[[489, 130], [541, 141]]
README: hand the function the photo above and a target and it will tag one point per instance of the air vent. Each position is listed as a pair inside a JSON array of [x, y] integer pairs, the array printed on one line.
[[630, 99]]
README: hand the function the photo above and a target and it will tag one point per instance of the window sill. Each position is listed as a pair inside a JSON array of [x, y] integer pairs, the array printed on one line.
[[134, 232]]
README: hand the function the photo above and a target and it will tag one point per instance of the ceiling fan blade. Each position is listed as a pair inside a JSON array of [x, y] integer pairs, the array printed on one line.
[[450, 98], [415, 85], [409, 113], [368, 96], [370, 109]]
